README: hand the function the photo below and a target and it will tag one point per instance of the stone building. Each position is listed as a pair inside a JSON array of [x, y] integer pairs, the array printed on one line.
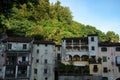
[[110, 54], [43, 60], [17, 58]]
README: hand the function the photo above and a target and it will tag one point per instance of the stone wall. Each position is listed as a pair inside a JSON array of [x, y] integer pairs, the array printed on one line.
[[62, 77]]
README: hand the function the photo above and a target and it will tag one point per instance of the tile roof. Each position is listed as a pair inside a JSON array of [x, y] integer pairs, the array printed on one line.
[[18, 39], [81, 38], [109, 44], [58, 45], [43, 42]]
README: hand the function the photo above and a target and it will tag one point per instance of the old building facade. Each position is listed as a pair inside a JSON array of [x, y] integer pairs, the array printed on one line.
[[79, 50], [17, 58], [110, 54], [2, 48], [43, 61], [28, 59]]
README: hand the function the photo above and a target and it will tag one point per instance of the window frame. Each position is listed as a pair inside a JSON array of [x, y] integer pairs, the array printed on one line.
[[105, 69], [45, 71], [104, 58], [35, 71], [92, 48], [92, 39], [117, 49], [45, 61], [104, 49], [24, 46], [9, 46], [37, 60], [37, 51]]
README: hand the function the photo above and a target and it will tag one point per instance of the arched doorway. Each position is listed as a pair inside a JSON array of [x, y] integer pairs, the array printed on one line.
[[76, 58], [70, 58], [84, 58]]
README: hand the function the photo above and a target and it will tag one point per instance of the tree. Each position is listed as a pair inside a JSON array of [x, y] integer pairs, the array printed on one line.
[[111, 36]]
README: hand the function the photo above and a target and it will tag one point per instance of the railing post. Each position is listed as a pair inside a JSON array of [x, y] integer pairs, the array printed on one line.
[[16, 72], [4, 71], [28, 71]]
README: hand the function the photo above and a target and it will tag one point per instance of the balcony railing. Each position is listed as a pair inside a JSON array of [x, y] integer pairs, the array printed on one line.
[[23, 63]]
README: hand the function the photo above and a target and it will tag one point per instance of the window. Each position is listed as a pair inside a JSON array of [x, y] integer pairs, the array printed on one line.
[[46, 78], [0, 70], [95, 68], [104, 59], [45, 71], [117, 48], [37, 60], [118, 60], [24, 46], [45, 61], [105, 78], [58, 57], [58, 48], [92, 38], [9, 46], [105, 70], [35, 71], [37, 51], [93, 48], [119, 69], [103, 49], [23, 58], [45, 45], [112, 63]]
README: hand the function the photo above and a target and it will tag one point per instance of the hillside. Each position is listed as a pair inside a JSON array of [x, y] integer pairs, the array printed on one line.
[[42, 20]]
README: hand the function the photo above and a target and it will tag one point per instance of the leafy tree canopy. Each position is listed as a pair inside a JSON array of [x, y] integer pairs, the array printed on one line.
[[42, 20]]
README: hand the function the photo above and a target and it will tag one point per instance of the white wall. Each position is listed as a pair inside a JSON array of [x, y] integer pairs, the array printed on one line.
[[44, 53], [111, 55], [19, 46], [93, 43]]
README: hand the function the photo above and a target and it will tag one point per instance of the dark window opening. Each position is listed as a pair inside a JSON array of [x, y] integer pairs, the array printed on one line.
[[9, 46], [105, 70], [93, 48], [104, 59], [37, 60], [24, 46], [95, 68], [117, 48], [35, 71], [46, 78], [92, 38], [58, 57], [105, 78], [23, 58], [45, 71], [103, 49], [37, 50], [46, 61], [58, 48], [119, 69], [45, 45]]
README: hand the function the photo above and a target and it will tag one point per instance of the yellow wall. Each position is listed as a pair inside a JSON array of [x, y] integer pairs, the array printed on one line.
[[99, 72]]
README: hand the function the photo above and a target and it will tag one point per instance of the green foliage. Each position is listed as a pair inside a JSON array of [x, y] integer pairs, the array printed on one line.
[[42, 20], [111, 36]]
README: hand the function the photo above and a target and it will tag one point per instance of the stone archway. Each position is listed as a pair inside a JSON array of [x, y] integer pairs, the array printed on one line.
[[70, 58], [76, 58], [84, 58]]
